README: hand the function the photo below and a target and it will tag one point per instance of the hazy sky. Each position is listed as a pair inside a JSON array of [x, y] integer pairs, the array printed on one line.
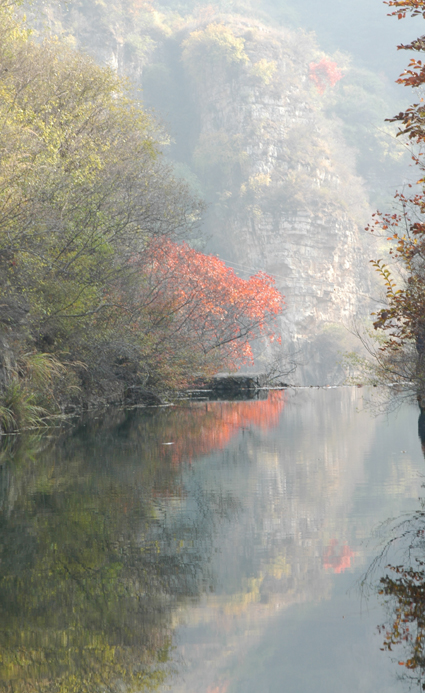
[[359, 27]]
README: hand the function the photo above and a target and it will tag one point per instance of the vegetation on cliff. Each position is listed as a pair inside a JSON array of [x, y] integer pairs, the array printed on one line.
[[90, 218], [257, 136], [147, 40]]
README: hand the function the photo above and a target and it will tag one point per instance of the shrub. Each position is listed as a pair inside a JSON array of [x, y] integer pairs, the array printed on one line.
[[217, 43]]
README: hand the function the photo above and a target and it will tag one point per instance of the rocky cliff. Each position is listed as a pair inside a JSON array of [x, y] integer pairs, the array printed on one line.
[[280, 180], [251, 135]]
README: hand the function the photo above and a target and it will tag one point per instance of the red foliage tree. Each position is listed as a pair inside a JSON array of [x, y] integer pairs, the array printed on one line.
[[194, 304], [324, 73]]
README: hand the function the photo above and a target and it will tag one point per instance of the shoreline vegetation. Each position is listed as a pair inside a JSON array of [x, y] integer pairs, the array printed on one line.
[[395, 348], [106, 295]]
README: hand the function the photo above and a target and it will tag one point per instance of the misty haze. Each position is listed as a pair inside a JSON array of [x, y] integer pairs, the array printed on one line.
[[212, 346]]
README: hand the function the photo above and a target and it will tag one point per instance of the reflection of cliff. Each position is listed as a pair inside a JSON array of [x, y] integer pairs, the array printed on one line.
[[106, 539], [292, 534], [300, 480]]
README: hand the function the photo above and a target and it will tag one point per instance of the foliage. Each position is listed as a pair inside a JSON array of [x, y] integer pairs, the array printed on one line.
[[264, 70], [33, 391], [218, 42], [402, 589], [402, 319], [324, 73], [18, 409], [210, 307], [408, 626], [414, 7], [411, 120], [84, 191], [81, 188]]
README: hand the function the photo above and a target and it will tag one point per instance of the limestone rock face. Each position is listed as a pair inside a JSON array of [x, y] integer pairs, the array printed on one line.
[[284, 197], [252, 134]]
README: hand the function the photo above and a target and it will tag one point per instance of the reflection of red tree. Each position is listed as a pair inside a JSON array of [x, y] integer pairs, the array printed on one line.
[[221, 688], [210, 426], [337, 559]]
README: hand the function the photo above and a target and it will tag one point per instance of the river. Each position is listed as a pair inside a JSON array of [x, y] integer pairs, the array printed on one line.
[[210, 548]]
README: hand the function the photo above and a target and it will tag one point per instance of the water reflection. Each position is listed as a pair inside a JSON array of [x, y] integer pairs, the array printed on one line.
[[337, 558], [99, 545], [85, 597], [310, 490], [421, 429], [401, 565], [173, 546], [202, 428]]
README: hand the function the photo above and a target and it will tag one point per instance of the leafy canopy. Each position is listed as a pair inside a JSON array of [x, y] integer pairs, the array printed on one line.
[[87, 207]]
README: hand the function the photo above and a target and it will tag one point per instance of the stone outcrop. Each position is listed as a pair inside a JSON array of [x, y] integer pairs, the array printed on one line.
[[251, 134], [288, 200]]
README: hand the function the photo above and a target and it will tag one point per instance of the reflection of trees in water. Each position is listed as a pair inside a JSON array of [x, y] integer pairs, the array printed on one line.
[[402, 587], [291, 483], [98, 545], [337, 558], [421, 429], [211, 426], [403, 590]]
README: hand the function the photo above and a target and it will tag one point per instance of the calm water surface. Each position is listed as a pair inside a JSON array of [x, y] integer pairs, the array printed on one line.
[[214, 548]]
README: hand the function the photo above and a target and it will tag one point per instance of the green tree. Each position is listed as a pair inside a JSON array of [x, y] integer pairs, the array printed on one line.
[[83, 188], [85, 195]]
